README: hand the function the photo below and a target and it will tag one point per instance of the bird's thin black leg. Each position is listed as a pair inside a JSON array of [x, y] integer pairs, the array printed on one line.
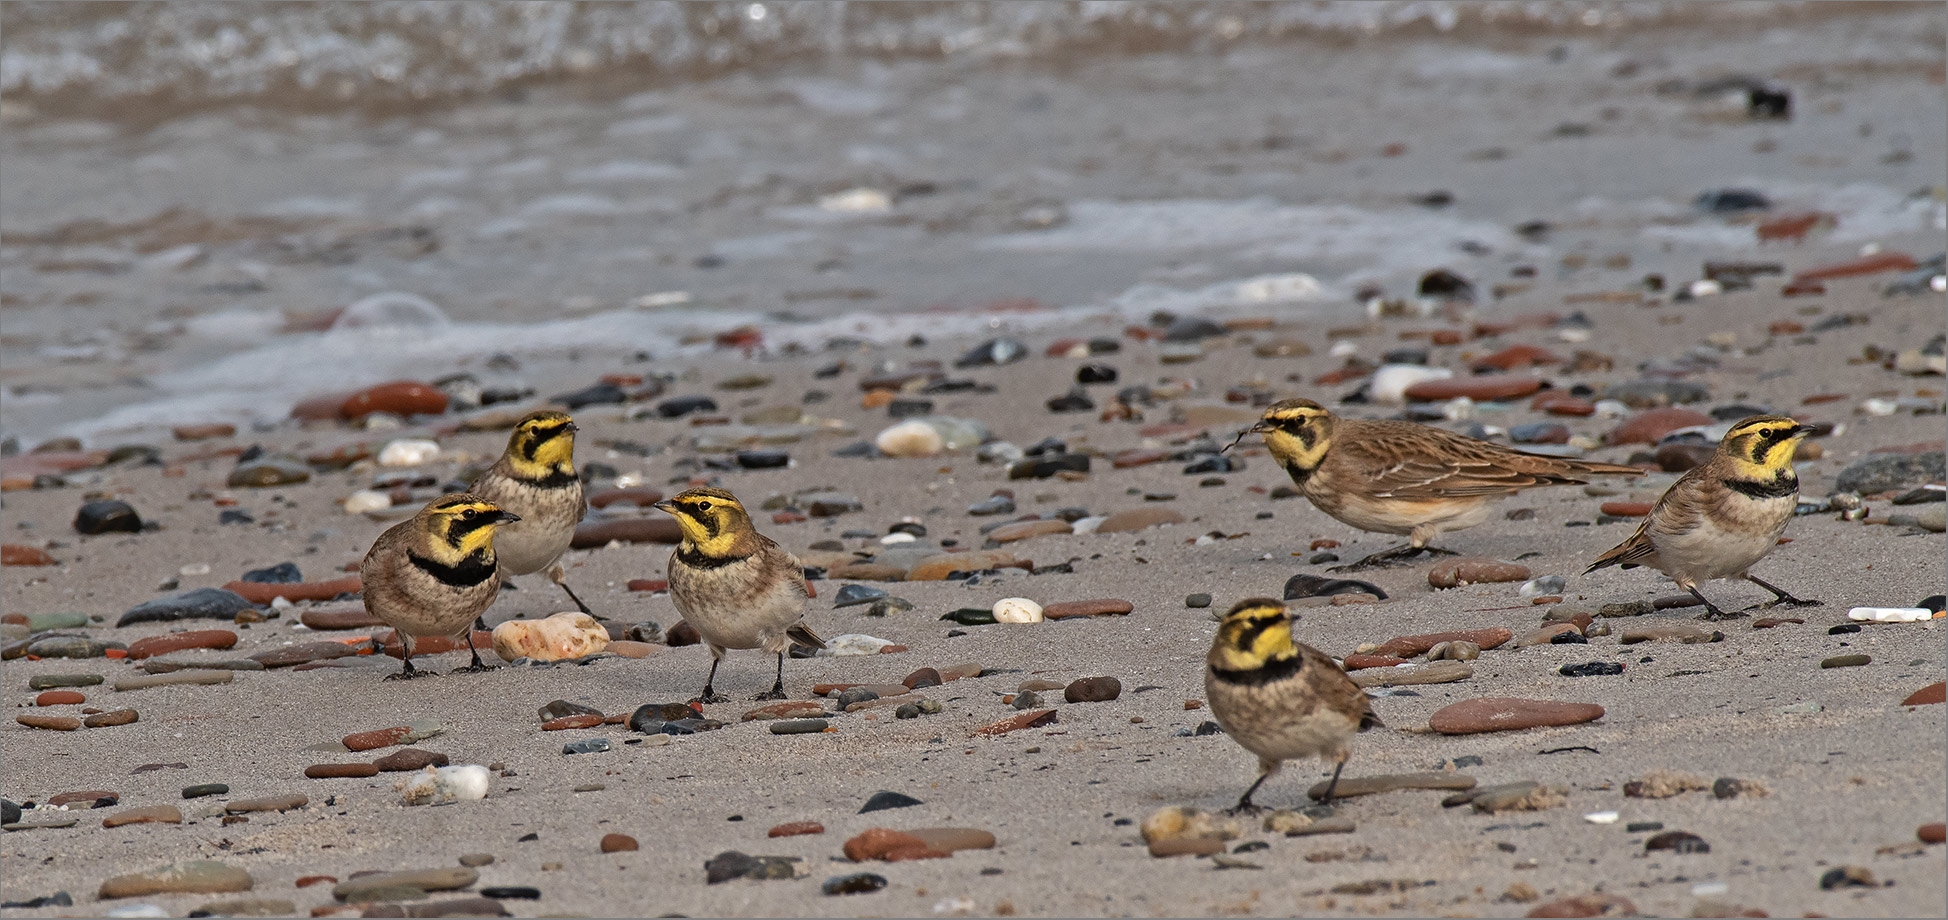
[[1780, 597]]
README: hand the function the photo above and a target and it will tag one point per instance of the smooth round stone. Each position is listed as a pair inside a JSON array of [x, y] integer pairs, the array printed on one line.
[[1409, 646], [854, 695], [51, 723], [60, 698], [1017, 610], [108, 516], [886, 798], [1844, 661], [618, 843], [204, 789], [1093, 690], [796, 828], [1197, 601], [69, 647], [268, 472], [1493, 714], [1304, 586], [922, 678], [586, 746], [1651, 426], [340, 771], [1023, 530], [850, 595], [476, 860], [200, 604], [176, 642], [1434, 672], [111, 719], [950, 839], [408, 759], [1027, 699], [443, 879], [798, 726]]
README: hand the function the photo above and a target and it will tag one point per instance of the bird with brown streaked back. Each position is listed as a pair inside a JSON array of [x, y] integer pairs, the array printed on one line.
[[435, 574]]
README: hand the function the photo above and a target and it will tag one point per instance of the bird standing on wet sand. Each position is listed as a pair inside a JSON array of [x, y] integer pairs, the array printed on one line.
[[434, 575], [1404, 478], [1722, 516], [536, 479], [1278, 698], [737, 587]]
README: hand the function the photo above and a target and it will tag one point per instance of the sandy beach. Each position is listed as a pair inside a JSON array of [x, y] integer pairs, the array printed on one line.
[[815, 247]]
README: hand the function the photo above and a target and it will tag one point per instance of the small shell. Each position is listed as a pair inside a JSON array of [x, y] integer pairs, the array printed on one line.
[[568, 634], [1890, 614], [1017, 610]]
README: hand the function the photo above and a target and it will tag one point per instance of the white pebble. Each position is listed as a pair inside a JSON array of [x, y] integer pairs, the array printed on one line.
[[1705, 287], [1458, 409], [1709, 889], [911, 438], [408, 452], [901, 537], [441, 785], [852, 644], [1612, 408], [1389, 384], [959, 907], [1881, 407], [136, 910], [195, 568], [1089, 524], [367, 500], [1601, 817], [1017, 610], [857, 201], [1890, 614], [1343, 349]]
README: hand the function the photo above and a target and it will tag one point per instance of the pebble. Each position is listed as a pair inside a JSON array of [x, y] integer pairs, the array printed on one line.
[[266, 593], [20, 554], [1844, 661], [1023, 530], [1030, 719], [340, 771], [1526, 795], [796, 828], [205, 789], [162, 645], [266, 803], [441, 785], [409, 758], [1650, 427], [887, 798], [1490, 714], [1017, 610], [856, 883], [788, 709], [887, 605], [851, 595], [200, 604], [372, 887], [856, 644], [1482, 388], [52, 681], [200, 876], [111, 719], [59, 698], [590, 746], [1685, 633], [51, 723], [1936, 692], [1891, 471], [107, 516], [618, 843], [1393, 782], [1180, 822], [308, 652], [1107, 606], [889, 845], [1932, 833], [1436, 672], [596, 533], [1093, 690], [268, 471], [1409, 646], [731, 864], [1197, 601], [69, 647], [798, 726], [1677, 842], [1138, 519], [1591, 669], [1303, 586], [1450, 573], [1847, 877], [153, 814]]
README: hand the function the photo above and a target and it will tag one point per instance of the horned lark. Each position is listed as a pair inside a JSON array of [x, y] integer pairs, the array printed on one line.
[[1403, 478], [1278, 698], [736, 586], [1724, 515], [536, 479], [435, 574]]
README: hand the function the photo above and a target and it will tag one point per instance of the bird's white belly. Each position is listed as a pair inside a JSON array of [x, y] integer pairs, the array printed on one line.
[[522, 550], [1712, 551]]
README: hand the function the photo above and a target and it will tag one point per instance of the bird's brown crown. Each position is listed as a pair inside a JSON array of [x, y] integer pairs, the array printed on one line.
[[714, 522], [461, 524], [542, 447]]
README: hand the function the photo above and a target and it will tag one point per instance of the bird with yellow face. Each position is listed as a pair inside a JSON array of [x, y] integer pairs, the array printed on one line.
[[1278, 698], [536, 479], [735, 585], [435, 574], [1399, 477], [1724, 515]]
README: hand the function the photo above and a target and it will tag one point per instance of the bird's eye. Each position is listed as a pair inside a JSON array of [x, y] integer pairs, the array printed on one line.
[[470, 513], [703, 506]]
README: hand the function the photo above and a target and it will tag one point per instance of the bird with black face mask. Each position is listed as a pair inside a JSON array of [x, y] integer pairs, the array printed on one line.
[[737, 587], [536, 479], [435, 574], [1724, 515]]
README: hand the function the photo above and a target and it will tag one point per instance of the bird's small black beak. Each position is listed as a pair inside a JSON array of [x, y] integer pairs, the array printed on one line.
[[505, 517], [666, 506], [1257, 427]]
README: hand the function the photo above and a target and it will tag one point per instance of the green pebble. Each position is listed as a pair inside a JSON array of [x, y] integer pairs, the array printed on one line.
[[1845, 661], [51, 681], [41, 622], [1198, 601], [798, 726], [202, 789]]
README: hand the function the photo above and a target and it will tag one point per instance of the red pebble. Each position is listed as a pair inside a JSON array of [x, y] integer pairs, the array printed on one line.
[[796, 828], [59, 698]]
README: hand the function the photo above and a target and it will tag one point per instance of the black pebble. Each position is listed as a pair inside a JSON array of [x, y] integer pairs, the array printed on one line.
[[684, 405], [1570, 637], [1073, 401], [1095, 373], [283, 573], [517, 892], [1678, 842], [763, 459], [856, 883], [1208, 728], [1314, 586], [601, 394], [1843, 629], [1591, 669], [527, 838], [885, 799], [1935, 603], [107, 517], [1643, 827]]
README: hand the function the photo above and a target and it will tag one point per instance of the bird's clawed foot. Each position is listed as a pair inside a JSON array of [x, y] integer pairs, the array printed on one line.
[[777, 692], [1246, 809], [1790, 603], [1713, 614], [413, 674], [475, 668], [710, 696], [1389, 557]]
